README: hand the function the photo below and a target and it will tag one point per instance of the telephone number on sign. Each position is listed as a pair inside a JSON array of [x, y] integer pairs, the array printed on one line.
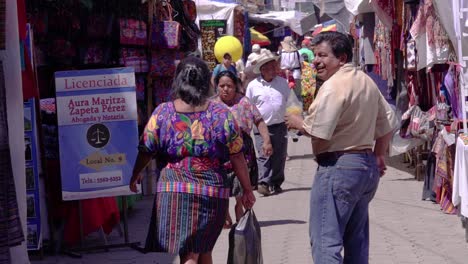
[[98, 180]]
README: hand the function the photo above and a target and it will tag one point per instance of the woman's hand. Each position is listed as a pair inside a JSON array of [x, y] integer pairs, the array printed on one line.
[[136, 179], [267, 148], [248, 199]]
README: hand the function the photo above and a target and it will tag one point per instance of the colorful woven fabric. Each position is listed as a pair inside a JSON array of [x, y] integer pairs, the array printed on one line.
[[198, 189], [444, 176], [177, 136], [183, 222], [11, 232], [2, 24], [192, 190]]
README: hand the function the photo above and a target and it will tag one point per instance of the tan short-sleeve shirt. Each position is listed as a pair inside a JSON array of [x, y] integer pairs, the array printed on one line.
[[349, 113]]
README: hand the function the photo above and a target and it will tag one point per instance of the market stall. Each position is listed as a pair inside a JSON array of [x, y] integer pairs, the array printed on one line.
[[416, 48], [13, 224], [100, 74]]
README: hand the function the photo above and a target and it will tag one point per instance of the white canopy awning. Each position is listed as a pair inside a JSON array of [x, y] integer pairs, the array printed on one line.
[[299, 22], [343, 11], [209, 10]]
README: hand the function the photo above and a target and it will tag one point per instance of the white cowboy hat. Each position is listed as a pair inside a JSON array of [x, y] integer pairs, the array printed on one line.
[[264, 57], [251, 61], [256, 48], [288, 44]]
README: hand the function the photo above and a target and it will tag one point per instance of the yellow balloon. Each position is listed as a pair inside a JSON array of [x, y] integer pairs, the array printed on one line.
[[228, 44]]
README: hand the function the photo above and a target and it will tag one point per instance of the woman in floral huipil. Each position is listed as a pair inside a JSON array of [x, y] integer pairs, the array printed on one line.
[[191, 138], [247, 115]]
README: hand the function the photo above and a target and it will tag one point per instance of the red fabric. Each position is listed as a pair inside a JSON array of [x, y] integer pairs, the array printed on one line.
[[21, 19], [96, 212], [30, 89], [29, 86]]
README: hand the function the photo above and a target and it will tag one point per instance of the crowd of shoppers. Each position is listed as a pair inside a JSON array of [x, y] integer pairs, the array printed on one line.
[[206, 153]]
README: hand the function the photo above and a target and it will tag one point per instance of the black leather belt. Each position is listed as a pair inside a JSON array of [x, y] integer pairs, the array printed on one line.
[[275, 125], [330, 157]]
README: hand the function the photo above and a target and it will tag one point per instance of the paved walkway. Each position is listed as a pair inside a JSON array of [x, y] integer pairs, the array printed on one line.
[[404, 229]]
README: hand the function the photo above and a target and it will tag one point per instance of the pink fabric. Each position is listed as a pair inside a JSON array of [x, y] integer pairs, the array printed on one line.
[[428, 22], [385, 11], [418, 26]]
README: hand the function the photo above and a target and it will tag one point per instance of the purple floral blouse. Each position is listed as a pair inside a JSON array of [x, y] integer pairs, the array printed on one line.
[[245, 113], [192, 147]]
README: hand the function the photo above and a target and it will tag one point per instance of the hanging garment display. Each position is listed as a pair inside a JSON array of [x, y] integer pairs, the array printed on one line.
[[432, 41], [452, 86], [132, 32], [165, 31], [383, 52], [445, 155], [11, 233], [162, 90], [2, 24], [385, 11]]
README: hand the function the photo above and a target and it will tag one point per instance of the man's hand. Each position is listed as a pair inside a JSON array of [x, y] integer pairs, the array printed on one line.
[[267, 149], [381, 164], [294, 121]]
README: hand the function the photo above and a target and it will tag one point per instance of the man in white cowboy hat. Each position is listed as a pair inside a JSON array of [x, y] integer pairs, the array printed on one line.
[[245, 71], [269, 93], [249, 75], [291, 62], [255, 52]]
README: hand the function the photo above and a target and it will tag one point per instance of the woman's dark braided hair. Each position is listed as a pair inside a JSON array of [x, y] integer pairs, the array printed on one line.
[[192, 81]]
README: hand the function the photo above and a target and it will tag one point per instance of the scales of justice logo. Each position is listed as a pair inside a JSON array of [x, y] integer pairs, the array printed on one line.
[[98, 135]]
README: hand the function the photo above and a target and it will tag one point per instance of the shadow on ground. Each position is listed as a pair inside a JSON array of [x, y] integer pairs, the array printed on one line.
[[281, 222], [296, 189], [405, 179], [396, 162], [306, 156]]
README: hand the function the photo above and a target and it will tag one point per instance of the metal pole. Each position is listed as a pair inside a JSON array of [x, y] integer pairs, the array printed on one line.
[[125, 220], [80, 214]]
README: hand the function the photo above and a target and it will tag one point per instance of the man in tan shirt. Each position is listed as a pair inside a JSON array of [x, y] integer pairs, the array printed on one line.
[[350, 124]]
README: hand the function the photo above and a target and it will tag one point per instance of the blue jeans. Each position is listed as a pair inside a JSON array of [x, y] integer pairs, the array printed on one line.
[[339, 204]]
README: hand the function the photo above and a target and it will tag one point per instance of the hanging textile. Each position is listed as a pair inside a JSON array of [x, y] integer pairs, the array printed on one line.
[[383, 52], [443, 181], [385, 11], [2, 24], [11, 233], [432, 41], [367, 39], [452, 86]]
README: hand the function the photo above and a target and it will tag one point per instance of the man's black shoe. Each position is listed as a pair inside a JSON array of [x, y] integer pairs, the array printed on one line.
[[264, 189], [277, 189]]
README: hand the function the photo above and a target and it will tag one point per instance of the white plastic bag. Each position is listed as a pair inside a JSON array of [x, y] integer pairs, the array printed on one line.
[[293, 107], [245, 241]]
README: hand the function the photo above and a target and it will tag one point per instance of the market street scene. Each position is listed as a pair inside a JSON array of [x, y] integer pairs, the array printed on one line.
[[403, 228], [233, 131]]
